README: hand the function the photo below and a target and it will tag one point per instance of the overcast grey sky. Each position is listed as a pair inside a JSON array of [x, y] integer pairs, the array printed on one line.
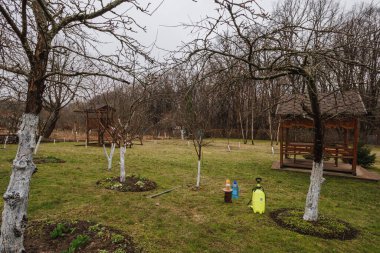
[[163, 26]]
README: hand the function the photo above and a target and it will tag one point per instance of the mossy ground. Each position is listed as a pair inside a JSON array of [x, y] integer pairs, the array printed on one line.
[[132, 183], [196, 221], [324, 227], [76, 236]]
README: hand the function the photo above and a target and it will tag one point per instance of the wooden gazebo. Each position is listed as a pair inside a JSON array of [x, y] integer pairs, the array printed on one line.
[[98, 119], [340, 111]]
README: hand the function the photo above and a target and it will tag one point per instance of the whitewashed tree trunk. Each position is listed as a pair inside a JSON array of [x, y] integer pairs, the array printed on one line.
[[122, 163], [199, 174], [38, 145], [14, 217], [182, 134], [5, 142], [312, 199], [110, 156]]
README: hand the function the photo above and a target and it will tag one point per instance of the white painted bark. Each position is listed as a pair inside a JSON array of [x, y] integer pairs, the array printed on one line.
[[182, 134], [228, 147], [14, 217], [110, 156], [312, 199], [5, 142], [38, 145], [122, 163], [199, 174]]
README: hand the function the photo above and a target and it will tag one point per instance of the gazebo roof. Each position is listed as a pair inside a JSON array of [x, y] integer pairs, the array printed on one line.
[[97, 108], [334, 104]]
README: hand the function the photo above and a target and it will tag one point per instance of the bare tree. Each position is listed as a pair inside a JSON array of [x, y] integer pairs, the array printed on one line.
[[29, 30], [194, 111], [296, 40], [61, 90], [360, 42]]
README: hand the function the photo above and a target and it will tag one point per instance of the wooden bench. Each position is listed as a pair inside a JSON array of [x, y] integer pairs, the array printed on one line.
[[334, 151]]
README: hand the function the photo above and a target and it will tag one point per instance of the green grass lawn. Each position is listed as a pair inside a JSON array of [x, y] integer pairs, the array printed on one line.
[[196, 221]]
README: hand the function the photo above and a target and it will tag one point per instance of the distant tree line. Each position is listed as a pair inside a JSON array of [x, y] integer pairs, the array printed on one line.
[[234, 104]]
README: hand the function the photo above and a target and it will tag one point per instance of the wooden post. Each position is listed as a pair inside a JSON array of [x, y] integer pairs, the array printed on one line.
[[286, 142], [281, 145], [355, 147], [346, 137]]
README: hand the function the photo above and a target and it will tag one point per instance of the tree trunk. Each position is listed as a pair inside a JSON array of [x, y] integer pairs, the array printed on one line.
[[252, 122], [270, 129], [109, 157], [5, 142], [242, 127], [199, 174], [49, 125], [38, 145], [278, 133], [16, 197], [122, 163], [312, 199], [246, 130], [316, 178], [199, 165]]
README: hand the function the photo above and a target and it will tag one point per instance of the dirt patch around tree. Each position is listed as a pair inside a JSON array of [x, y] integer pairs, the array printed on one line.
[[47, 159], [76, 236], [44, 159], [132, 183], [325, 227]]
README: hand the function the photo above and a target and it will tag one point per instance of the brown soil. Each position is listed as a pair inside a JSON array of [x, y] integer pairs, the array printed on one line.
[[47, 159], [44, 159], [132, 184], [38, 238]]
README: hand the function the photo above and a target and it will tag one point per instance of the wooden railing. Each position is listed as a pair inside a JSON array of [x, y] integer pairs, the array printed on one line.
[[335, 151]]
